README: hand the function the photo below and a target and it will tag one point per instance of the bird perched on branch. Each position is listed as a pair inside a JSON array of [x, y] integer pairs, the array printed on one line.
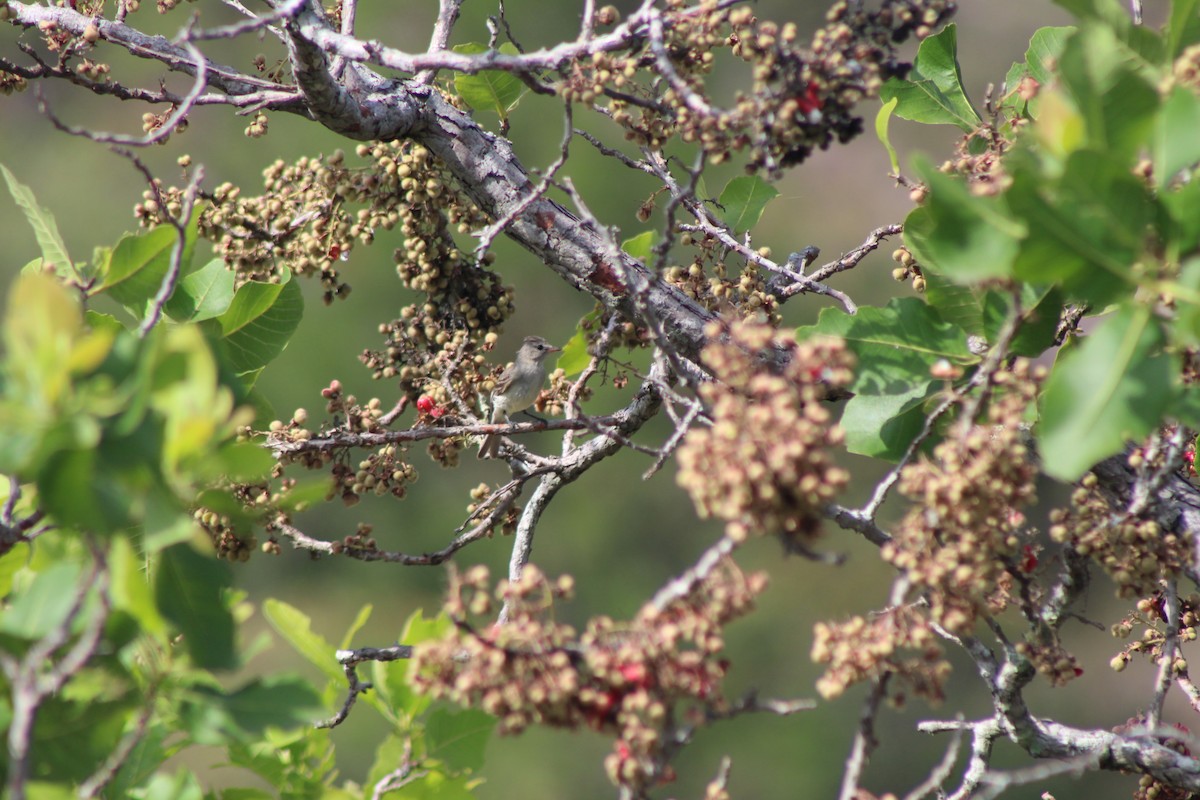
[[518, 387]]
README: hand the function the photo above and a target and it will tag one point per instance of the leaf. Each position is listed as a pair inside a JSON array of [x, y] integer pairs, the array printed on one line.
[[189, 589], [294, 626], [1176, 145], [896, 347], [459, 737], [137, 266], [259, 323], [44, 606], [1101, 75], [489, 89], [881, 132], [640, 246], [933, 92], [575, 356], [1041, 308], [45, 229], [281, 701], [956, 302], [1183, 27], [1044, 48], [392, 676], [203, 294], [964, 237], [364, 614], [1113, 388], [744, 199], [1085, 230]]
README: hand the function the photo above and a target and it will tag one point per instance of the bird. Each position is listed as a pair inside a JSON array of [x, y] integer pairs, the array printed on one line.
[[518, 387]]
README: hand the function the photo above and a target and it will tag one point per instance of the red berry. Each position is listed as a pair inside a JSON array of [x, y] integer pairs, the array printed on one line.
[[634, 674], [425, 404]]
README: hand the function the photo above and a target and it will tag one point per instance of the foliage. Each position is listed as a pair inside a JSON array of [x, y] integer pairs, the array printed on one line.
[[1054, 332]]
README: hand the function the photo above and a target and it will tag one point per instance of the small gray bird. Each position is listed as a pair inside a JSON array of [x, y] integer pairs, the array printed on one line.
[[518, 387]]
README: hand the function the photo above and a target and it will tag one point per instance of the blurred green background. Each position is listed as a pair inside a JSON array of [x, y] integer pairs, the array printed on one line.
[[619, 536]]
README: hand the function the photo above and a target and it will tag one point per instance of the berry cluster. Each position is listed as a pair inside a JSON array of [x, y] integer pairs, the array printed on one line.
[[766, 464], [965, 531], [899, 641], [747, 292], [633, 680]]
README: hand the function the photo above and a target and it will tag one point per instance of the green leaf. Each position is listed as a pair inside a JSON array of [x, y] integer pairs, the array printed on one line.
[[189, 589], [137, 266], [957, 303], [489, 89], [1101, 76], [575, 356], [54, 249], [459, 737], [1085, 230], [203, 294], [744, 199], [294, 626], [280, 701], [933, 92], [896, 348], [44, 606], [1042, 55], [364, 614], [881, 132], [1113, 388], [964, 237], [183, 786], [1176, 145], [1041, 309], [1183, 27], [884, 425], [641, 245], [392, 676], [259, 323]]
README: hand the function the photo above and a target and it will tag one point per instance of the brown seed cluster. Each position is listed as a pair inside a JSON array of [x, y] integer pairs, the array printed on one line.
[[1151, 613], [745, 291], [800, 98], [1186, 69], [899, 641], [1135, 552], [632, 680], [766, 464], [965, 530]]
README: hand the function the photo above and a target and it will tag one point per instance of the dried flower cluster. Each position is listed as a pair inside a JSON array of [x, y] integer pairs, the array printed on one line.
[[766, 464], [1152, 614], [800, 99], [963, 535], [1135, 552], [633, 680], [899, 642], [747, 291]]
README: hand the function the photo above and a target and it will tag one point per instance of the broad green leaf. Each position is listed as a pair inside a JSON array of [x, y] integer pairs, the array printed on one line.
[[1085, 229], [640, 246], [1143, 45], [964, 237], [896, 347], [54, 250], [489, 90], [203, 294], [1176, 145], [44, 606], [392, 676], [77, 488], [131, 587], [259, 323], [884, 425], [280, 701], [1044, 48], [1118, 104], [575, 356], [144, 760], [1041, 309], [1183, 206], [295, 626], [364, 614], [459, 737], [41, 326], [1183, 27], [958, 304], [137, 267], [189, 589], [881, 132], [933, 92], [1111, 389], [744, 199], [182, 786], [1185, 327]]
